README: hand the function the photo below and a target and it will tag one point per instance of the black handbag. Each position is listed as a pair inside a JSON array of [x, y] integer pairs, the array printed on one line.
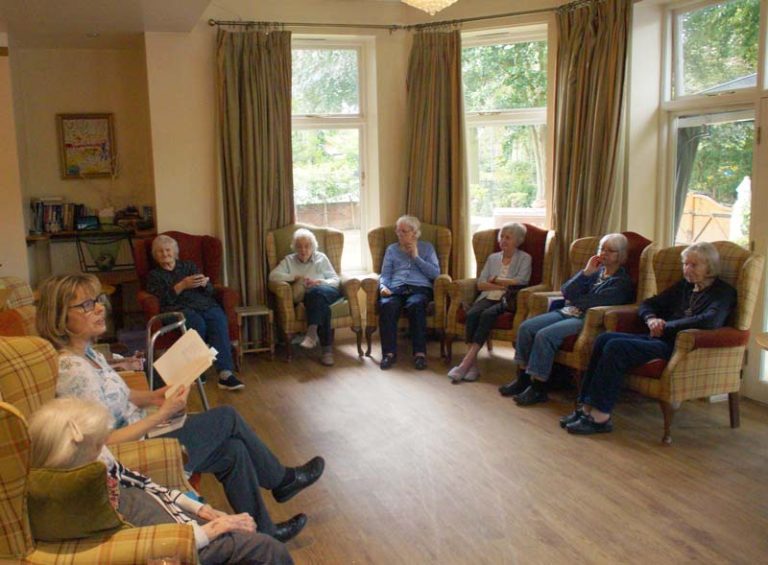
[[509, 300]]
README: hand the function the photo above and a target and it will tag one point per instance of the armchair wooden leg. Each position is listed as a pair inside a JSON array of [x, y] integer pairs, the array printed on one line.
[[489, 344], [449, 348], [668, 409], [368, 333], [577, 382], [733, 408], [289, 347], [441, 337], [359, 337]]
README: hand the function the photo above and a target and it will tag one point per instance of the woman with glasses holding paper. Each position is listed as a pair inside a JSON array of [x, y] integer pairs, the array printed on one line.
[[71, 315]]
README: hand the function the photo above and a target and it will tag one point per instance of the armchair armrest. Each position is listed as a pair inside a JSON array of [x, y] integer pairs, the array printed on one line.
[[370, 285], [149, 303], [158, 458], [688, 340], [624, 319], [440, 291], [350, 287], [284, 302], [539, 302], [524, 301]]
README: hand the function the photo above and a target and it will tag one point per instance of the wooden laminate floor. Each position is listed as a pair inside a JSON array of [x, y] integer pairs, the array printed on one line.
[[420, 471]]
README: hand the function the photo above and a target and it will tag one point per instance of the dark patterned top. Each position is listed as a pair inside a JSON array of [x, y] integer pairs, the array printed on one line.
[[160, 283]]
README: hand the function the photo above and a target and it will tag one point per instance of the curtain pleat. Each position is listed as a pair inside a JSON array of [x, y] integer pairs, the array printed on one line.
[[593, 38], [254, 91], [436, 185]]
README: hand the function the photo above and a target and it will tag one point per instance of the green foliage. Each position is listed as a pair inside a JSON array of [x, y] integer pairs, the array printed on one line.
[[326, 165], [723, 159], [325, 81], [720, 43], [505, 76]]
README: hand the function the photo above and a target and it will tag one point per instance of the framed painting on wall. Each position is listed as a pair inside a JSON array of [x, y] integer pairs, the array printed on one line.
[[86, 145]]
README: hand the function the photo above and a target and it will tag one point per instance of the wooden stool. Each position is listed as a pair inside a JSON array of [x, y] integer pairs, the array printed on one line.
[[247, 344]]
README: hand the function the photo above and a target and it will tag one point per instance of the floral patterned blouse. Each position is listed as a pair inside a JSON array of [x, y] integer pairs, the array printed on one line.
[[78, 377]]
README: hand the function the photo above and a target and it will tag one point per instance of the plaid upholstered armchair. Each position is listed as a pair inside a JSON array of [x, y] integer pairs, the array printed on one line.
[[540, 245], [704, 362], [17, 307], [378, 241], [207, 253], [28, 371], [291, 318], [576, 350]]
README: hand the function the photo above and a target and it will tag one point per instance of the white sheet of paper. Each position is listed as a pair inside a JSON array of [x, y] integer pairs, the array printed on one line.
[[184, 361]]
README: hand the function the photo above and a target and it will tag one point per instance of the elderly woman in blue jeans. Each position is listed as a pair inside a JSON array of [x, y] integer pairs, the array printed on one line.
[[508, 267], [602, 282], [316, 283]]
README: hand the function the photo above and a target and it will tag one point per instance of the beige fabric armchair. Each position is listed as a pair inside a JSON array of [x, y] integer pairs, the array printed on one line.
[[291, 318], [378, 241]]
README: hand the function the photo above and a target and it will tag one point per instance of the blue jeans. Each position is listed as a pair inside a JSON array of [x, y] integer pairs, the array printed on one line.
[[613, 354], [481, 318], [221, 442], [317, 303], [415, 300], [539, 339], [212, 326]]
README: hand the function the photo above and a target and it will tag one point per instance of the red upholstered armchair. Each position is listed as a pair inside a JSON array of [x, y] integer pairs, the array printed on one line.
[[207, 253], [576, 350], [704, 362], [540, 244]]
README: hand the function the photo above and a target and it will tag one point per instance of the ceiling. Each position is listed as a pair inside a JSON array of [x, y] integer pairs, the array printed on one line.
[[89, 23]]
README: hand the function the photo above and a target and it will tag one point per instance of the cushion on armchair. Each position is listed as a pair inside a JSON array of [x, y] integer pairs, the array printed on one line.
[[67, 504]]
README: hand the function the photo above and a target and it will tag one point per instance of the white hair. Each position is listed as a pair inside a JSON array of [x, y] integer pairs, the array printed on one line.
[[517, 230], [619, 243], [66, 432], [162, 241], [706, 251], [304, 233], [410, 221]]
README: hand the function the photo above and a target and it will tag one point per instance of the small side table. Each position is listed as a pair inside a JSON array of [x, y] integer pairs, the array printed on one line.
[[247, 344]]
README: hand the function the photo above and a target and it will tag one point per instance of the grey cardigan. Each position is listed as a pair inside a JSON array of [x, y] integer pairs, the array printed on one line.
[[519, 268]]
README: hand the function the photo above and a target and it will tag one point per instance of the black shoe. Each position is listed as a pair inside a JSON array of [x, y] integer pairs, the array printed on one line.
[[531, 396], [304, 476], [387, 361], [586, 425], [290, 528], [574, 416], [420, 362], [516, 387]]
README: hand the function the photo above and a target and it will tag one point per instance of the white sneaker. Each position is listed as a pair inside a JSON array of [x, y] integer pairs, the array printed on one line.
[[327, 359], [456, 374], [308, 342], [472, 374]]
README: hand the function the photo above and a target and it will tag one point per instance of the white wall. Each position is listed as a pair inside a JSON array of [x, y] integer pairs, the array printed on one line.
[[13, 249]]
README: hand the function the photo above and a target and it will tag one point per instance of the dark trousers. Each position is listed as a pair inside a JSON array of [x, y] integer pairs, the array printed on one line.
[[415, 300], [221, 442], [141, 509], [481, 318], [212, 326], [613, 354], [317, 303]]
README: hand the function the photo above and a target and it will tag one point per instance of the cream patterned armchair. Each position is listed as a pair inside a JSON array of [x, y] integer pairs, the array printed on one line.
[[291, 318], [378, 241], [704, 362], [540, 245], [576, 350], [28, 371], [17, 307]]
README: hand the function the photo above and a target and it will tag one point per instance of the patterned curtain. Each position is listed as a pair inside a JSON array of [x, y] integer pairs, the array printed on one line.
[[436, 185], [593, 41], [254, 92]]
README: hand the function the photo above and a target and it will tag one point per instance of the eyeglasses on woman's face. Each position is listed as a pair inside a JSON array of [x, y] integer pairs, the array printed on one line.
[[90, 304]]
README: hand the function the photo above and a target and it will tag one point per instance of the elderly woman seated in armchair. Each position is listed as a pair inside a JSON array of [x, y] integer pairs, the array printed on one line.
[[314, 282], [700, 300], [408, 271], [68, 432], [180, 287]]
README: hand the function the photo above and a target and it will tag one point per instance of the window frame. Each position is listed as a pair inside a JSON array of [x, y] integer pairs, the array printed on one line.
[[362, 121], [539, 30]]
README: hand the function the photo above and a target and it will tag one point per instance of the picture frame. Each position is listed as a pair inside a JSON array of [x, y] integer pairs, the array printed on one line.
[[86, 145]]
